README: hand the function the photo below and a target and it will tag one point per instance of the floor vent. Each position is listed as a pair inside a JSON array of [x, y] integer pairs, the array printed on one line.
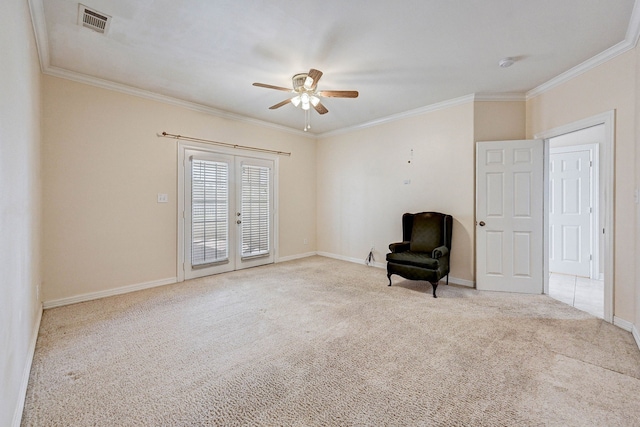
[[89, 18]]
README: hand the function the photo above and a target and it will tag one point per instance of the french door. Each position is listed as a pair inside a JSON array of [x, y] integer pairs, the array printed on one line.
[[228, 212]]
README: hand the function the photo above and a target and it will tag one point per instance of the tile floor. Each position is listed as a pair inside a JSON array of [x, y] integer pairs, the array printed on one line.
[[580, 292]]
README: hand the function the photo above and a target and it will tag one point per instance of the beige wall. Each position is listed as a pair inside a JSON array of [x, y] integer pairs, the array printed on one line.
[[19, 205], [499, 120], [611, 86], [361, 175], [361, 189], [103, 167]]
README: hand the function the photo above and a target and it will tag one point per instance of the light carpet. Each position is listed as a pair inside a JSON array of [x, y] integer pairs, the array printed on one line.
[[318, 342]]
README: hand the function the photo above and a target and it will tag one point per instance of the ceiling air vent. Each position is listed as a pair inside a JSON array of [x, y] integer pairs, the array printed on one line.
[[89, 18]]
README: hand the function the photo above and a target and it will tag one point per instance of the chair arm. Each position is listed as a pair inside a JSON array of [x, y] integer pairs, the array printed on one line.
[[399, 247], [439, 252]]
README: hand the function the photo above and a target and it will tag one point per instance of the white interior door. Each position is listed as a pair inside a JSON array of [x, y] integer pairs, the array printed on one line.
[[228, 213], [570, 212], [509, 216]]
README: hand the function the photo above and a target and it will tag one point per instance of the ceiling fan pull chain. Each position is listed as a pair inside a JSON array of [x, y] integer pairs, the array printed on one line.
[[307, 120]]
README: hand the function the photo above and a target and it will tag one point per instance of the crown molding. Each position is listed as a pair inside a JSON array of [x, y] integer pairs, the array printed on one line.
[[476, 97], [500, 97], [630, 42], [129, 90], [633, 30], [36, 9], [394, 117]]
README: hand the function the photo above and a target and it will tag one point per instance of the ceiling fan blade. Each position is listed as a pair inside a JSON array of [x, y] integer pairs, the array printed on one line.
[[272, 87], [280, 104], [321, 109], [338, 93], [315, 75]]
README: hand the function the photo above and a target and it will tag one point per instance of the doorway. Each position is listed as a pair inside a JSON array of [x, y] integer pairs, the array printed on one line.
[[574, 220], [575, 203], [226, 218], [591, 143]]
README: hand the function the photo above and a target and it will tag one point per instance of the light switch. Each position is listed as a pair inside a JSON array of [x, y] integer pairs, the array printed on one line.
[[407, 181], [163, 198]]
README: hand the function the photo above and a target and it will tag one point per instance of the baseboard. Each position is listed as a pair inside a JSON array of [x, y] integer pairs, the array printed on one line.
[[108, 293], [383, 265], [24, 383], [462, 282], [623, 324], [353, 260], [297, 256], [629, 327]]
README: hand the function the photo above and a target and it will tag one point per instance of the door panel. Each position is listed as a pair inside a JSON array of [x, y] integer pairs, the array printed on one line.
[[255, 212], [509, 212], [570, 213], [209, 237]]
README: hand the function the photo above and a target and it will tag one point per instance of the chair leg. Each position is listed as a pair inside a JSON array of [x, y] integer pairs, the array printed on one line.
[[447, 279], [435, 286], [389, 277]]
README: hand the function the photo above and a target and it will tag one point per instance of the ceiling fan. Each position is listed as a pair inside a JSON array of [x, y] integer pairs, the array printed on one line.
[[306, 95]]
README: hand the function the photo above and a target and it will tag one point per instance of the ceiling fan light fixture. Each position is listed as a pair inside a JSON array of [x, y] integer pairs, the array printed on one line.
[[305, 94], [308, 83], [305, 98]]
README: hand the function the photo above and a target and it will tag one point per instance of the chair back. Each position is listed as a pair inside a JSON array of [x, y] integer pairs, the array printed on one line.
[[427, 230]]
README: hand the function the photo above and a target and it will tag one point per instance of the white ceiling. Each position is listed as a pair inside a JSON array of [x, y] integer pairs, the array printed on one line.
[[401, 56]]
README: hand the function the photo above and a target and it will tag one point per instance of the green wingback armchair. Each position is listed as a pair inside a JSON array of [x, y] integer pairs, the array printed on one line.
[[424, 252]]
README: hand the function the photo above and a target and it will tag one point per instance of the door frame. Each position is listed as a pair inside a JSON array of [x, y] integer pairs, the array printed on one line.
[[182, 146], [607, 172], [594, 193]]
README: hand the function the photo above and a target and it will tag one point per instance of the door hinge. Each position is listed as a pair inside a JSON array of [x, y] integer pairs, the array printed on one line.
[[590, 257]]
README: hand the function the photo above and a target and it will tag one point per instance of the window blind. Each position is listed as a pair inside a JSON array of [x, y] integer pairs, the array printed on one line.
[[209, 212], [255, 210]]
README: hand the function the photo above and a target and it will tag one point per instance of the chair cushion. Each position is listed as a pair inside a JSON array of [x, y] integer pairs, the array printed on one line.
[[426, 233], [417, 259]]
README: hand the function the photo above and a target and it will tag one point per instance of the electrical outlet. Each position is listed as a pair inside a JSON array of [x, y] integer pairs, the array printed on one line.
[[163, 198], [306, 241]]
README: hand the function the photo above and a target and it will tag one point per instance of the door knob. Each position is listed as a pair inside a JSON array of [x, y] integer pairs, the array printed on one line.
[[482, 224]]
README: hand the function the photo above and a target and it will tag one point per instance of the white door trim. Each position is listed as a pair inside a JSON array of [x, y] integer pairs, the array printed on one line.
[[607, 171], [182, 146]]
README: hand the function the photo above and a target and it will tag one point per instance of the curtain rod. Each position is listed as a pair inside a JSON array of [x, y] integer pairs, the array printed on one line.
[[224, 144]]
